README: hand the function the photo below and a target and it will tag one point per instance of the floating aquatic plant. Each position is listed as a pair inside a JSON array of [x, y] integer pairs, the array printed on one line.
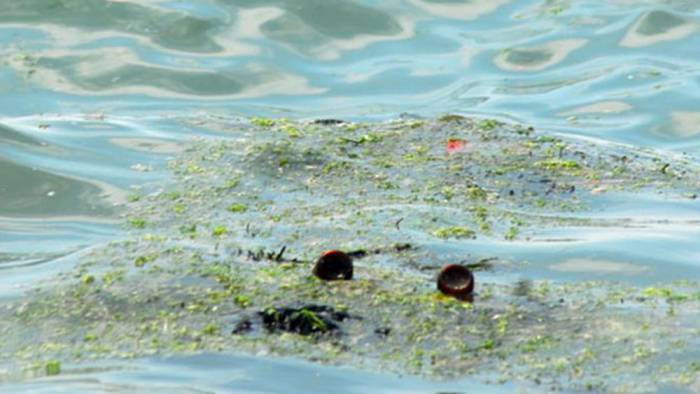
[[197, 268]]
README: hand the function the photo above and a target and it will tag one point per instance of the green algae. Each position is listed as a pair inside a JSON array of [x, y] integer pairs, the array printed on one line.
[[173, 288], [237, 208], [53, 367], [262, 122], [454, 232], [511, 234], [137, 223], [219, 231], [449, 118], [557, 164], [488, 124], [87, 279]]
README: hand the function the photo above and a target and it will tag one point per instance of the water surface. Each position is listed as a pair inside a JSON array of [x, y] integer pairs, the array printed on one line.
[[96, 96]]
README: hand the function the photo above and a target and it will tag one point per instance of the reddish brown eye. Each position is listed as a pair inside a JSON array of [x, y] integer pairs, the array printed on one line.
[[333, 265], [456, 280]]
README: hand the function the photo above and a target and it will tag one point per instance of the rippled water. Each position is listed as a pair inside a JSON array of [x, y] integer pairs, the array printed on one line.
[[232, 373], [93, 92]]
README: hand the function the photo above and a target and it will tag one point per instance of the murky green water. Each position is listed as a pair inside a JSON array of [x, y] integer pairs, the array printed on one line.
[[96, 96]]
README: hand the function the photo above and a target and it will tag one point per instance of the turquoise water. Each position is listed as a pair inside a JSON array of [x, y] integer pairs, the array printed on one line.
[[97, 95], [215, 373]]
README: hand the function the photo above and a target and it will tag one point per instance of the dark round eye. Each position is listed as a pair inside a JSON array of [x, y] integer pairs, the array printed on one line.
[[455, 280], [333, 265]]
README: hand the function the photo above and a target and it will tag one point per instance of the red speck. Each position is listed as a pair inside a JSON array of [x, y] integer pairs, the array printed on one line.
[[455, 145], [330, 252]]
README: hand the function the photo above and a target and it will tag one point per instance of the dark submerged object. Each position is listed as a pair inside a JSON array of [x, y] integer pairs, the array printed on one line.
[[329, 122], [456, 280], [307, 320], [333, 265]]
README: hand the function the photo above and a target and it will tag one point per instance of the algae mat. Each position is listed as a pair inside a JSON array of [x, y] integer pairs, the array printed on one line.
[[220, 255]]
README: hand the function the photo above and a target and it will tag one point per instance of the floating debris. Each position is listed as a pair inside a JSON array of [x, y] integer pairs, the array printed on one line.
[[306, 320]]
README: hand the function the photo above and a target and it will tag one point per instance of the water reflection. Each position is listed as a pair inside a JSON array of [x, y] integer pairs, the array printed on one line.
[[326, 28], [320, 28], [456, 9], [97, 72], [232, 373], [164, 27], [151, 145], [603, 267], [539, 57], [316, 58], [32, 192], [603, 107], [685, 123], [10, 136], [657, 26]]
